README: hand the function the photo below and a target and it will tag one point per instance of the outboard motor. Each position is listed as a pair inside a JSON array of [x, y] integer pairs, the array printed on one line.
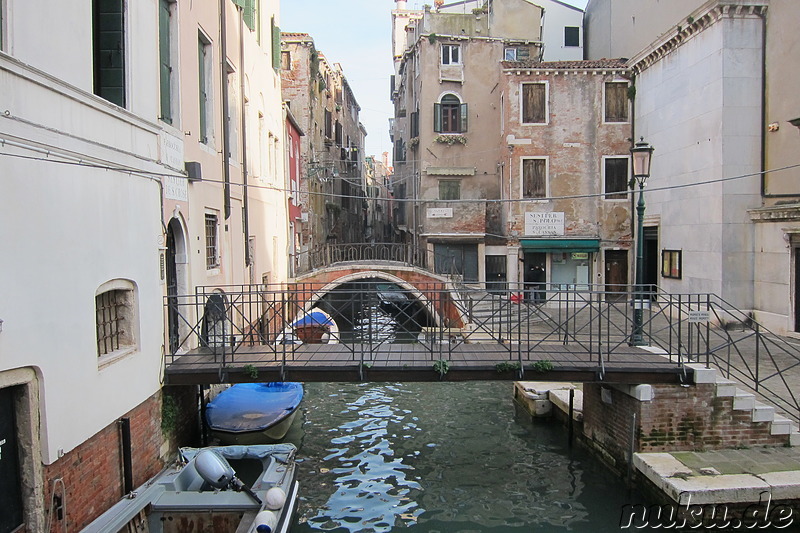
[[217, 472], [214, 469]]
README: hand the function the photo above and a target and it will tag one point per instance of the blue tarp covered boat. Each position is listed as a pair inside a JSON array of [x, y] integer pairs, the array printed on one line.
[[253, 413]]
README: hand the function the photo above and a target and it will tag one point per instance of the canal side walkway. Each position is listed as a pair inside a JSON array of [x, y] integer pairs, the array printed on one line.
[[730, 476]]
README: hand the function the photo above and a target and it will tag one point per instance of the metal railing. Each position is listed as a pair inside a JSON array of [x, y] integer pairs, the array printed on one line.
[[246, 323]]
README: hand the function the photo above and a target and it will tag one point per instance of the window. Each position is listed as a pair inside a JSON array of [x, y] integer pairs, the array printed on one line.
[[616, 101], [456, 258], [518, 53], [249, 12], [450, 115], [286, 60], [115, 317], [276, 44], [232, 116], [415, 124], [572, 36], [671, 263], [212, 252], [166, 37], [205, 88], [108, 47], [451, 54], [2, 24], [534, 178], [615, 177], [449, 190], [534, 103]]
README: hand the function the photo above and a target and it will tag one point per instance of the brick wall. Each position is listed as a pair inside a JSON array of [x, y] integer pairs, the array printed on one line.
[[92, 472], [677, 419]]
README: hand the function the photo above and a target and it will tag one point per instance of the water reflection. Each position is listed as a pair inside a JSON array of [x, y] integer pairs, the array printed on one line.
[[443, 457]]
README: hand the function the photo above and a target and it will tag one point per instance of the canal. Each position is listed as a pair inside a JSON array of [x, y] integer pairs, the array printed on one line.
[[443, 457]]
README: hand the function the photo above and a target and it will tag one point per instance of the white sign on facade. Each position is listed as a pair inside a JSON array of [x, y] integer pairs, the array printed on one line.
[[544, 224], [440, 212], [697, 317], [176, 188], [171, 151]]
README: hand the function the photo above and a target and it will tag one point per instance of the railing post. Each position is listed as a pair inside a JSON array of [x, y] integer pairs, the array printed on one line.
[[708, 332], [758, 354]]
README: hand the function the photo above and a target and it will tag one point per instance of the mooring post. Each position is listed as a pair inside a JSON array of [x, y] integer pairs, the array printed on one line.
[[571, 411]]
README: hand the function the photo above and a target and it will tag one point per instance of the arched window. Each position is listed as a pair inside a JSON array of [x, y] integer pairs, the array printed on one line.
[[450, 115]]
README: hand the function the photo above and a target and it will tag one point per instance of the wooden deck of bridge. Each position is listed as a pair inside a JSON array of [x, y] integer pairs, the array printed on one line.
[[414, 362]]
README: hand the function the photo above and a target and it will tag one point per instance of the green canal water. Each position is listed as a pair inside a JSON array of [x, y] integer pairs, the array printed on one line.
[[443, 457]]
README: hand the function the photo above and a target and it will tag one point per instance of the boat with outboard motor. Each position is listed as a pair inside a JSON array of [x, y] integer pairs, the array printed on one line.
[[202, 492]]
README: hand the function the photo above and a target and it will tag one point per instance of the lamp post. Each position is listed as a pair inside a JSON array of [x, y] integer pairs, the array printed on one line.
[[641, 154]]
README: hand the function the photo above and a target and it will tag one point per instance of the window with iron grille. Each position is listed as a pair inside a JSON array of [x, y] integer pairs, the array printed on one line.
[[114, 318], [212, 255]]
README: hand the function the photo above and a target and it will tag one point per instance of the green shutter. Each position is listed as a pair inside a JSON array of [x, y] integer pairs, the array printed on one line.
[[437, 118], [201, 64], [109, 50], [249, 13], [463, 118], [165, 60], [276, 46]]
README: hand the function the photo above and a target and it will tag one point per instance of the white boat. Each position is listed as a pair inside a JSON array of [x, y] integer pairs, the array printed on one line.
[[202, 492]]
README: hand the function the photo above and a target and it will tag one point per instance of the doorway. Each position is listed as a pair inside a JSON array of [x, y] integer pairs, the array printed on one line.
[[616, 265], [11, 511], [496, 273], [175, 278], [651, 262], [796, 255]]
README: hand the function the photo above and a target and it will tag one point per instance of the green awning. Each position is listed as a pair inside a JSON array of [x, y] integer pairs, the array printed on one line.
[[560, 245]]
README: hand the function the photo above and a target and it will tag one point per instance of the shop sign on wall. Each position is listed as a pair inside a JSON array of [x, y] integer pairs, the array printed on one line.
[[544, 224], [440, 212]]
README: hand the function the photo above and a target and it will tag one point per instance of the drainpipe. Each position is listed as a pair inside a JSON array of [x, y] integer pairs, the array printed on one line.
[[248, 261], [226, 145], [127, 462]]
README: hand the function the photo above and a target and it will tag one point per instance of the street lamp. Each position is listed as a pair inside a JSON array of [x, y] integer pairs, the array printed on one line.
[[641, 154]]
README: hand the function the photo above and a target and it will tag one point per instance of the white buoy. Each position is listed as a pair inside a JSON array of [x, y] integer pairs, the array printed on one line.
[[265, 522], [275, 498]]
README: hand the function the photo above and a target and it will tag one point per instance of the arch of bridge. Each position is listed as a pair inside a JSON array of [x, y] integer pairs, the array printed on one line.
[[436, 293]]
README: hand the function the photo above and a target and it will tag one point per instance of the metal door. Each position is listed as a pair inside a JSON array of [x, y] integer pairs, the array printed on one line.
[[10, 490]]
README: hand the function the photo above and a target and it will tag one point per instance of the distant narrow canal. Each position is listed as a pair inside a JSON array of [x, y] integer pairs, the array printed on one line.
[[443, 457]]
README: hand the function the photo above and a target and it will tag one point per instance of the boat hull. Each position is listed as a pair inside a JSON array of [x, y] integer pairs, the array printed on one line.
[[253, 413]]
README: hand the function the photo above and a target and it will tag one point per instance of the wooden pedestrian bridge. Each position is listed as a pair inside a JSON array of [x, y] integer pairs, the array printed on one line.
[[394, 321]]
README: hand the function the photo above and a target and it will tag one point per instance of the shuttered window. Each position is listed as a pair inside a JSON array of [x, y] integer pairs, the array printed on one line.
[[450, 115], [276, 45], [616, 177], [108, 28], [165, 59], [616, 101], [249, 10], [204, 87], [534, 178], [534, 103]]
